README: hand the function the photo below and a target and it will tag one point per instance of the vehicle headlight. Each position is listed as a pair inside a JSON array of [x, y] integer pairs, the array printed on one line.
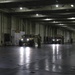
[[57, 39], [27, 39], [21, 39], [53, 39]]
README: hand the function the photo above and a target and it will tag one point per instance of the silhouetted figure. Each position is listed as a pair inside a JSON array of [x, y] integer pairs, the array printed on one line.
[[71, 40], [39, 41]]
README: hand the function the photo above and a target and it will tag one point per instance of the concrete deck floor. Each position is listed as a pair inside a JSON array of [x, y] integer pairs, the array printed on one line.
[[47, 60]]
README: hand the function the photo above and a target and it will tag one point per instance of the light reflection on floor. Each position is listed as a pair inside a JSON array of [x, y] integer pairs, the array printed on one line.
[[22, 55], [25, 56], [50, 58]]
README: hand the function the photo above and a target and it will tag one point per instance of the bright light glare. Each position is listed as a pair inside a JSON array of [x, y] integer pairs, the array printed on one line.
[[60, 24], [21, 39], [53, 39], [57, 39], [47, 19], [27, 39], [72, 18], [57, 5], [53, 47], [57, 48], [21, 8], [37, 14], [55, 22], [72, 5], [28, 51], [53, 51], [22, 55]]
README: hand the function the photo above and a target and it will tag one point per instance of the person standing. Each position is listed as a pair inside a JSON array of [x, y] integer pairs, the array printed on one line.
[[39, 40]]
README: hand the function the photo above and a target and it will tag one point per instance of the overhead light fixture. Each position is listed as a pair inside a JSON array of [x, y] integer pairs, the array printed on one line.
[[21, 8], [72, 18], [55, 22], [73, 21], [47, 19], [37, 14], [61, 24], [72, 5], [5, 1], [57, 5]]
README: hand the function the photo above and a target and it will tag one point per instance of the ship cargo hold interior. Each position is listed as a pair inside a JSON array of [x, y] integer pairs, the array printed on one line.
[[37, 37]]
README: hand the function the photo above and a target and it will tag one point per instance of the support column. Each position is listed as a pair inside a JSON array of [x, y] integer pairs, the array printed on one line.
[[0, 29], [37, 30]]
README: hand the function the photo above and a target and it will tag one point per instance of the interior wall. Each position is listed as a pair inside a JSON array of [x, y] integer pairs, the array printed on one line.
[[16, 24]]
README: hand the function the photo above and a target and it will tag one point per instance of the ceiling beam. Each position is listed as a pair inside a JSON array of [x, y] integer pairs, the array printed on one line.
[[31, 3]]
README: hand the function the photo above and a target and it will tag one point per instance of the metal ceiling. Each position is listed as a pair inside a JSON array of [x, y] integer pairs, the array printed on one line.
[[52, 12]]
